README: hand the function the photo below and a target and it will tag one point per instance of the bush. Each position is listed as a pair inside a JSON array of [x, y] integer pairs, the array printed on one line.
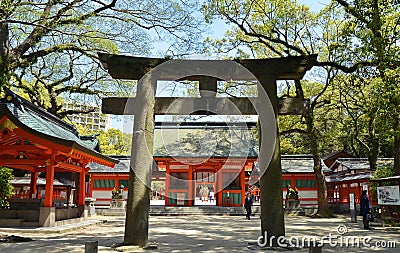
[[6, 188], [380, 172]]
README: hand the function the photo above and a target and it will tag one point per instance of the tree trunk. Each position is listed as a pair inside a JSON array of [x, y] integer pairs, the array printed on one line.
[[396, 147], [323, 206], [4, 54], [373, 150], [373, 155], [138, 206]]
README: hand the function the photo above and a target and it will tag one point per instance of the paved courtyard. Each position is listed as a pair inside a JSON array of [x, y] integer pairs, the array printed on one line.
[[199, 234]]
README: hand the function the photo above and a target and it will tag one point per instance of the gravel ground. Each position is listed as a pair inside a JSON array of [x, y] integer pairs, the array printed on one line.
[[203, 234]]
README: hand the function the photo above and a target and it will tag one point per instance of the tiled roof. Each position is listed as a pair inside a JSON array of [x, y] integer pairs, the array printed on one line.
[[299, 164], [362, 163], [47, 125], [40, 123], [121, 167], [210, 141], [360, 176], [330, 155], [392, 178]]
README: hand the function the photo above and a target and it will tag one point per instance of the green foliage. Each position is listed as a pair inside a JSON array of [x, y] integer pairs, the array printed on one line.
[[266, 28], [381, 172], [6, 188], [54, 45], [357, 105], [112, 141]]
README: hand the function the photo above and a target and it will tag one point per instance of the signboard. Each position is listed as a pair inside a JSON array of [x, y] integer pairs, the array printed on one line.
[[389, 195], [352, 202], [353, 212], [180, 199]]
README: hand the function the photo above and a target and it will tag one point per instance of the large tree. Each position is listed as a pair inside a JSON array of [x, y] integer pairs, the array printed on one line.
[[277, 29], [111, 141], [359, 36], [48, 49], [370, 29], [361, 116]]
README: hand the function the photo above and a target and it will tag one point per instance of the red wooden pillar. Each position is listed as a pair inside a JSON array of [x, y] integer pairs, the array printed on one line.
[[48, 199], [33, 184], [82, 188], [242, 184], [219, 185], [167, 183], [191, 183]]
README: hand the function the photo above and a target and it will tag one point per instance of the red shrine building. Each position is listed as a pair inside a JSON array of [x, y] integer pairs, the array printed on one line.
[[351, 176], [205, 163], [51, 159]]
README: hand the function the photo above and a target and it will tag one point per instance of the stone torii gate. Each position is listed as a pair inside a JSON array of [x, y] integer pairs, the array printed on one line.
[[144, 106]]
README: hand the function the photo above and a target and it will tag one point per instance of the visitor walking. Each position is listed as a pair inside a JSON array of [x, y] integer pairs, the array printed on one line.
[[364, 208], [248, 202]]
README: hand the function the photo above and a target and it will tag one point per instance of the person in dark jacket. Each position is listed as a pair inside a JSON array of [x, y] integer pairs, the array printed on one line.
[[364, 208], [248, 202]]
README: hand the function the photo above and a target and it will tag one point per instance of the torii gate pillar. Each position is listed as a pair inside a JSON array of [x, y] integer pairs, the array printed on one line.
[[267, 72]]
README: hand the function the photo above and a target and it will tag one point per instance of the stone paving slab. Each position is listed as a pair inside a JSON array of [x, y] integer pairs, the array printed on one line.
[[201, 234]]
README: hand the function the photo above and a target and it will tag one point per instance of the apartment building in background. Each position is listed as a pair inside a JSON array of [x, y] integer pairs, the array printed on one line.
[[95, 121]]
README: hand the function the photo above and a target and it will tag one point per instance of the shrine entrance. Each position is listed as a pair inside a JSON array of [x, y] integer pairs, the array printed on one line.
[[205, 186], [262, 72], [217, 182]]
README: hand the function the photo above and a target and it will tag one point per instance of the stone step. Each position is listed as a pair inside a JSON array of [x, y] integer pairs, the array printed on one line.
[[180, 210], [11, 222], [197, 210], [30, 224]]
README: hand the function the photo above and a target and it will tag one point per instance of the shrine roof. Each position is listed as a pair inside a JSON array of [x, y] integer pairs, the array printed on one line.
[[361, 163], [301, 163], [42, 124], [344, 178], [121, 167], [213, 141], [391, 178], [337, 153]]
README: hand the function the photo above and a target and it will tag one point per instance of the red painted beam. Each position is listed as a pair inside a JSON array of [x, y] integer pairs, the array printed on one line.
[[69, 167], [19, 162]]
